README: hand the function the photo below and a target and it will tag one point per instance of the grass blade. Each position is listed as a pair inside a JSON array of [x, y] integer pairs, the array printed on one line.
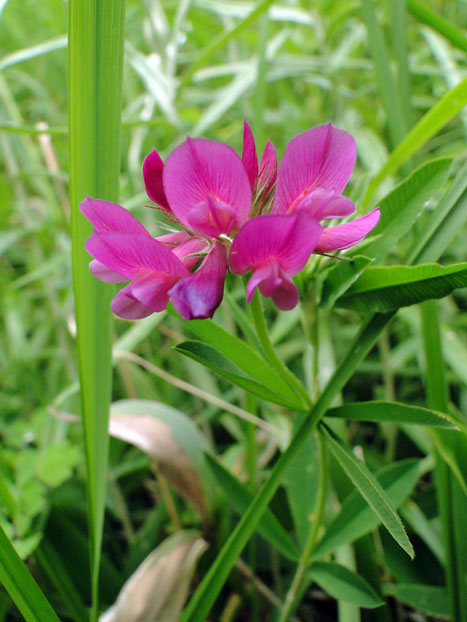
[[428, 17], [22, 588], [95, 82], [435, 119]]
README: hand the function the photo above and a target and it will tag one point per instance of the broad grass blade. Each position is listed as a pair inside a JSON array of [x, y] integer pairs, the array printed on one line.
[[96, 31], [21, 586]]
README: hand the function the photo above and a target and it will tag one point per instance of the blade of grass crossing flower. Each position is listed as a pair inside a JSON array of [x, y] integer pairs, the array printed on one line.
[[435, 119], [96, 31], [451, 497], [21, 586]]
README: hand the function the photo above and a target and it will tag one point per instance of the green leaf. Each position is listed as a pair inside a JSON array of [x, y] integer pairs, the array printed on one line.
[[445, 222], [400, 208], [370, 489], [356, 518], [96, 35], [21, 586], [430, 599], [393, 411], [241, 354], [387, 288], [211, 358], [301, 485], [55, 464], [343, 584], [339, 278], [436, 118], [268, 527]]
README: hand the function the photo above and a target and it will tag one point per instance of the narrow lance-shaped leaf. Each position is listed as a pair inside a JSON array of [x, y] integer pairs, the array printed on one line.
[[21, 586], [388, 288], [393, 411], [370, 489], [343, 584]]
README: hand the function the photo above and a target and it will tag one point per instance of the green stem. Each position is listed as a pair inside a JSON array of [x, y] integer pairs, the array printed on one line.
[[451, 499], [204, 597], [292, 598], [270, 353]]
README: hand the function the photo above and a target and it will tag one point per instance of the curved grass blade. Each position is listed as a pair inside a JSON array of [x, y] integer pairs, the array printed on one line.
[[96, 29], [435, 119], [428, 17], [21, 586]]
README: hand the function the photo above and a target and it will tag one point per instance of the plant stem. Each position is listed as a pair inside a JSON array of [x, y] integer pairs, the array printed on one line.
[[207, 592], [269, 352], [292, 598]]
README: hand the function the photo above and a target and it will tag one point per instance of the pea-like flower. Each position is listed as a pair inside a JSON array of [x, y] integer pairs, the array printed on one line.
[[231, 212]]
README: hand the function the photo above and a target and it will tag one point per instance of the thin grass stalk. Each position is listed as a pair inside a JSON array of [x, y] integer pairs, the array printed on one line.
[[96, 35], [424, 14], [452, 503]]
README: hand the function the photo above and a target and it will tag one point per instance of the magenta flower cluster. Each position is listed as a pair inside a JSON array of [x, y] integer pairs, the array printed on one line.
[[232, 213]]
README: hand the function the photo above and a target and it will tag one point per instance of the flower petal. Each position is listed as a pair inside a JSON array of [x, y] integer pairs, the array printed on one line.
[[198, 295], [321, 157], [290, 239], [128, 308], [150, 288], [268, 168], [285, 296], [201, 170], [152, 175], [105, 216], [348, 234], [128, 253], [324, 204], [273, 283], [249, 157], [102, 273]]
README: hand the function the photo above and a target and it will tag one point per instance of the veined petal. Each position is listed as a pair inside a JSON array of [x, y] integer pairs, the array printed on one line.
[[105, 216], [200, 171], [174, 239], [348, 234], [191, 246], [152, 175], [321, 157], [103, 273], [128, 308], [198, 295], [268, 168], [289, 239], [128, 253], [324, 204], [261, 238], [249, 156], [150, 288]]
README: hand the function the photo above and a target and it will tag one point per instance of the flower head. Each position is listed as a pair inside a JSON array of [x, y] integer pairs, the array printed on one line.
[[213, 195]]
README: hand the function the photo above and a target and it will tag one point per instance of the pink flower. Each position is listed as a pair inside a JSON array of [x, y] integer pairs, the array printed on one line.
[[312, 175], [124, 250], [212, 193], [274, 248]]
